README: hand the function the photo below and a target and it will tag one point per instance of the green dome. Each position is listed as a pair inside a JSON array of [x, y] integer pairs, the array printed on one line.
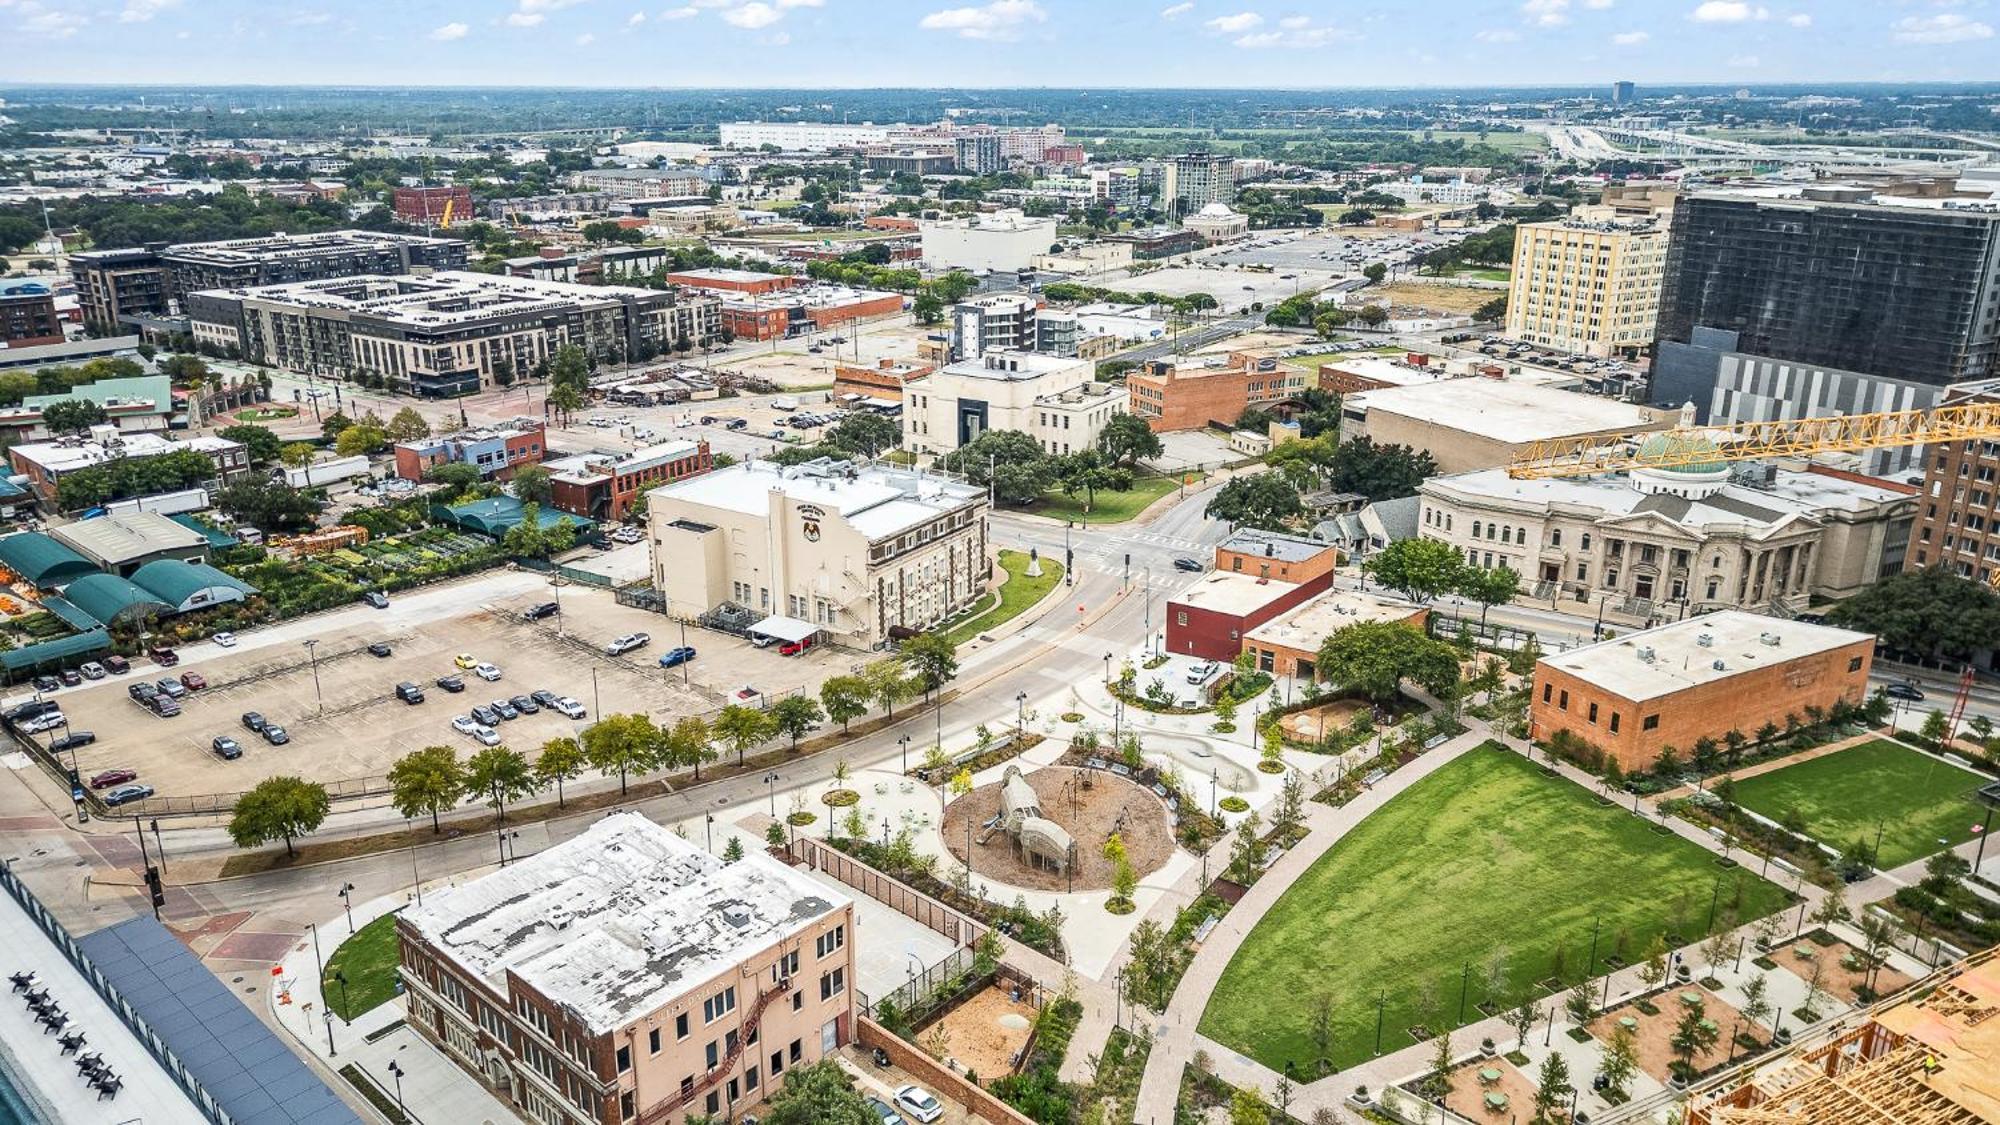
[[1678, 444]]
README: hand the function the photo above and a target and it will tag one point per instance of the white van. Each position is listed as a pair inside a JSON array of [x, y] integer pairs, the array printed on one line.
[[785, 402]]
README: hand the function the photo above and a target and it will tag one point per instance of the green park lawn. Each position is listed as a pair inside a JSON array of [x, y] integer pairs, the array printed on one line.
[[1920, 804], [1107, 506], [1487, 857], [1014, 597], [368, 959]]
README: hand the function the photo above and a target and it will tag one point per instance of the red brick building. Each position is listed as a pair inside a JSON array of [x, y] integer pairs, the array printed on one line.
[[1172, 398], [28, 315], [603, 488], [1210, 618], [745, 282], [496, 451], [428, 204]]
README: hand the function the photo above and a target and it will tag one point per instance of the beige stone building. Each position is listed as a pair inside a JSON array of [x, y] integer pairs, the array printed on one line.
[[1590, 283], [1470, 424], [628, 975], [860, 554], [1053, 398]]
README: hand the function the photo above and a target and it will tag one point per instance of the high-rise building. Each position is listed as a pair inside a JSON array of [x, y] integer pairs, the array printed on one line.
[[1000, 322], [1623, 93], [432, 204], [1785, 302], [979, 154], [1589, 283], [1199, 179], [1958, 524]]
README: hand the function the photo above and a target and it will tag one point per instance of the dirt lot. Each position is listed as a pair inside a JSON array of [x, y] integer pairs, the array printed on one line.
[[1468, 1092], [984, 1033], [1835, 979], [1439, 298], [1654, 1033], [1110, 804], [363, 727], [791, 363]]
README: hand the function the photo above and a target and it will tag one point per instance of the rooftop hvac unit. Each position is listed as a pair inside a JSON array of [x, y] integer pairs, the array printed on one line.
[[1705, 640], [1719, 666], [736, 914], [1771, 639], [1646, 653]]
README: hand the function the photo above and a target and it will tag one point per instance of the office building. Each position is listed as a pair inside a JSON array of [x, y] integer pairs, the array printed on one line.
[[643, 183], [496, 450], [1589, 284], [626, 974], [1677, 541], [803, 136], [430, 205], [1699, 678], [1154, 243], [444, 334], [1958, 519], [1623, 93], [120, 287], [1485, 424], [860, 553], [1006, 241], [28, 315], [1288, 644], [1217, 223], [979, 154], [953, 405], [1000, 322], [603, 488], [1195, 395], [1421, 189], [914, 162], [1197, 179]]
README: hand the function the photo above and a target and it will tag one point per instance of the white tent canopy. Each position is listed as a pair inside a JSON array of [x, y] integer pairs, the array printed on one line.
[[784, 628]]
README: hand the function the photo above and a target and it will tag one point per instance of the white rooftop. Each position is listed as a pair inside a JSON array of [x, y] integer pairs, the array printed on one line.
[[1305, 627], [1222, 591], [588, 468], [1685, 654], [70, 454], [1012, 366], [1788, 494], [620, 920], [1505, 411], [877, 501], [1382, 369], [440, 299]]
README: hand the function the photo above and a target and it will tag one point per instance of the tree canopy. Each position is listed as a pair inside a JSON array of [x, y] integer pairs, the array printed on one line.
[[1375, 657], [279, 808], [1930, 611], [1418, 569], [1265, 500]]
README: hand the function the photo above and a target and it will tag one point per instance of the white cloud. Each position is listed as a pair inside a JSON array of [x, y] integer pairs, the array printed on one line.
[[672, 14], [1743, 62], [39, 21], [524, 19], [586, 39], [801, 3], [1547, 13], [1945, 27], [752, 16], [1799, 20], [1232, 25], [1177, 11], [140, 11], [999, 20], [1728, 11], [1598, 5], [449, 32], [1294, 37], [1630, 38], [1497, 35], [635, 19], [1295, 22]]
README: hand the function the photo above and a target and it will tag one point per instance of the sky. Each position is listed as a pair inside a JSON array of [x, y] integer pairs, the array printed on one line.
[[890, 43]]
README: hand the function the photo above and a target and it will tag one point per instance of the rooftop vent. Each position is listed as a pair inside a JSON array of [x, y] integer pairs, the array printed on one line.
[[1646, 653], [736, 914], [1768, 639], [1705, 640], [1719, 666]]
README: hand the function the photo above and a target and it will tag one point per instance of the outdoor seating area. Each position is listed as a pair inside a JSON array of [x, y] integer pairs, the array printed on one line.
[[90, 1066]]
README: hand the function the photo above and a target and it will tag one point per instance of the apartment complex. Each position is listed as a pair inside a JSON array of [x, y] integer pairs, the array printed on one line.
[[1958, 522], [1000, 322], [627, 975], [1590, 283], [641, 183], [1173, 396], [603, 488], [118, 287], [445, 333], [952, 406], [28, 315], [803, 136], [1196, 179], [432, 204], [1699, 678], [978, 154], [863, 554], [995, 240]]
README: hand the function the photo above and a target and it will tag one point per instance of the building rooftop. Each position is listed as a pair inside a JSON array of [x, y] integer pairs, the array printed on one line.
[[1221, 591], [878, 501], [734, 277], [1971, 195], [69, 454], [1382, 369], [442, 299], [589, 469], [1308, 625], [1011, 366], [121, 538], [617, 922], [1504, 411], [245, 251], [1686, 654], [1272, 545], [807, 296], [1752, 498]]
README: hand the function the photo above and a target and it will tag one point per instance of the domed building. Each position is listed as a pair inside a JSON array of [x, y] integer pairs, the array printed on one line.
[[1218, 222], [1682, 462]]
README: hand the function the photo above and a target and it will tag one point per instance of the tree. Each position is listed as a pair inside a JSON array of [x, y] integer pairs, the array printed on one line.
[[565, 401], [1247, 1107], [1374, 271], [796, 715], [845, 698], [1014, 463], [1551, 1086], [820, 1094], [1375, 657], [532, 485], [741, 727], [887, 683], [1379, 472], [1418, 569], [1833, 909], [1126, 439], [561, 760], [869, 434], [687, 744], [333, 425], [72, 415], [429, 780], [733, 850], [1756, 1000], [1489, 586], [501, 774], [1522, 1016], [359, 440], [453, 478], [1931, 611], [1621, 1061], [932, 660], [622, 744], [267, 505], [1693, 1036], [1935, 727], [1654, 970], [1266, 501], [927, 308], [1085, 471], [1246, 851], [299, 454], [407, 425], [279, 808], [1492, 311], [260, 442]]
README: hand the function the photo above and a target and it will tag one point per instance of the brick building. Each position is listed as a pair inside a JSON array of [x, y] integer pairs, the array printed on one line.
[[746, 282], [603, 488], [627, 974], [1958, 523], [429, 204], [28, 315], [1288, 645], [1694, 679], [1171, 397], [495, 450], [1275, 555], [1211, 616], [882, 382]]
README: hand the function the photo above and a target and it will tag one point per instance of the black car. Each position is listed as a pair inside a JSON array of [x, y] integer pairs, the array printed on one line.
[[72, 740], [409, 693], [525, 704], [34, 709], [226, 748], [544, 697], [379, 648], [275, 734], [1909, 693], [47, 683], [538, 612], [254, 721], [505, 709], [376, 598], [453, 684], [1188, 564], [486, 715], [71, 677]]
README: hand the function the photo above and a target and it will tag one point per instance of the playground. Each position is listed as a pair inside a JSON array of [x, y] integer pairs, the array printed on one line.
[[1088, 805]]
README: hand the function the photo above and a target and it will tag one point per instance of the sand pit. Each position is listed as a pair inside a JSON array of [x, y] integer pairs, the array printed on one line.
[[1313, 723], [986, 1032], [1470, 1087], [1089, 813]]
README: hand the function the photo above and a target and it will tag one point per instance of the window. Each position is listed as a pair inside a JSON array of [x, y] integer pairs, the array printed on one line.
[[795, 1052], [653, 1041], [712, 1053], [833, 939], [681, 1026], [1650, 722], [1586, 540], [1562, 701], [718, 1005], [1593, 714], [624, 1058], [1555, 537], [750, 1079], [777, 1063], [626, 1108], [832, 984], [1547, 691], [1614, 722], [1854, 664], [786, 966], [1180, 617]]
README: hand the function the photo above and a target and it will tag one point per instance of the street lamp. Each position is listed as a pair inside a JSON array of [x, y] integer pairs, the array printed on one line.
[[904, 744], [771, 791], [312, 655], [710, 832], [346, 893], [1021, 714], [332, 1051], [340, 978], [397, 1071]]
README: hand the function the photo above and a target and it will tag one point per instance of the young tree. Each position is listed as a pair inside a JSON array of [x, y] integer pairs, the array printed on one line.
[[1523, 1016], [1621, 1061], [1654, 971], [1246, 852], [733, 850], [932, 660], [429, 780], [1489, 586], [1833, 908], [1437, 1082], [407, 425], [1756, 1004], [1247, 1107], [278, 808], [1291, 804], [298, 455], [501, 774], [259, 442], [845, 698], [1551, 1087], [795, 715], [888, 684], [622, 744], [532, 484], [561, 760], [1581, 1001], [687, 744], [741, 727], [1693, 1037]]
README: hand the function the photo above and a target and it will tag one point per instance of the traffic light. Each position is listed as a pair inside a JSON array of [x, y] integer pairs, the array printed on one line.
[[75, 780], [153, 884]]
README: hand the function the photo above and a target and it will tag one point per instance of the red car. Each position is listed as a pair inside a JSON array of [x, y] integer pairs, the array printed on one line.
[[795, 647], [109, 778], [164, 656], [193, 681]]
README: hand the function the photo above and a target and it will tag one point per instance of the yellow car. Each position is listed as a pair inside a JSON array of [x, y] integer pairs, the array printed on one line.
[[465, 660]]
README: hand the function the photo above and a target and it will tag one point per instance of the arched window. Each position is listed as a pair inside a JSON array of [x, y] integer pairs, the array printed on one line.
[[1475, 529]]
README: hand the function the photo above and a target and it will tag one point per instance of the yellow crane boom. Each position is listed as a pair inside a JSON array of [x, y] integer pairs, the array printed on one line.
[[448, 205], [1752, 441]]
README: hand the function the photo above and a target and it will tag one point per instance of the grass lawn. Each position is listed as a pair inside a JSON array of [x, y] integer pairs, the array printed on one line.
[[1923, 805], [1504, 141], [369, 961], [1111, 507], [1484, 273], [1486, 857], [1312, 362], [1016, 595]]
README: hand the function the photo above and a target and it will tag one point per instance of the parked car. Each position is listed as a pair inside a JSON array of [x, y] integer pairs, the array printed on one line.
[[380, 649], [47, 683], [376, 598], [164, 706], [486, 736], [117, 665], [627, 535], [141, 691], [164, 656], [882, 1110], [464, 724], [1201, 673], [170, 687], [544, 697], [918, 1103], [567, 707], [464, 660], [45, 722], [453, 684], [525, 704], [409, 693], [488, 672], [109, 778], [536, 613], [70, 677], [275, 734], [675, 657], [504, 709], [73, 740], [92, 670], [126, 794], [627, 643], [224, 639], [485, 714], [226, 748], [193, 681], [793, 648], [1909, 693], [255, 722], [1192, 566]]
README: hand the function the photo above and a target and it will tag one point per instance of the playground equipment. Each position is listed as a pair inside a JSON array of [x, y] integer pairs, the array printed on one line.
[[1046, 844]]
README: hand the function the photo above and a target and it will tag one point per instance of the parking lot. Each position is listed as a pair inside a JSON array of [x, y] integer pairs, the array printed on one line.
[[1339, 252], [337, 702], [630, 427]]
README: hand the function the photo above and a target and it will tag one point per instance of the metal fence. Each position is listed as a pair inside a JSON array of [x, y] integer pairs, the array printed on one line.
[[339, 789], [961, 928]]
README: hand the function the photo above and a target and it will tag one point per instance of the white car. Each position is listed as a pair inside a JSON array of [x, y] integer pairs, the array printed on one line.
[[464, 724], [919, 1104], [486, 671], [40, 723], [485, 735], [567, 707], [627, 643], [226, 639]]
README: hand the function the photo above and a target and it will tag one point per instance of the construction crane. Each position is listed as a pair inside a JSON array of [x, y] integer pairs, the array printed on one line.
[[448, 205], [1755, 441]]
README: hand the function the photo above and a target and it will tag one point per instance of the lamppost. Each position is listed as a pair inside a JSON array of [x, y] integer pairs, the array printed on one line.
[[346, 893], [1214, 783], [555, 588], [1381, 1003], [1989, 795], [710, 832], [903, 744], [771, 790], [1107, 669], [312, 656], [340, 978], [1021, 715], [416, 883], [397, 1072], [332, 1051]]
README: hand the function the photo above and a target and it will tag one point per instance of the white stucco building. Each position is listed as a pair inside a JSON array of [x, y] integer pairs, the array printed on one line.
[[998, 240], [1053, 398]]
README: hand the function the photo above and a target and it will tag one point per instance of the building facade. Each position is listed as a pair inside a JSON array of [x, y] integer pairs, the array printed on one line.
[[1197, 179], [627, 975], [979, 154], [1288, 644], [1958, 518], [496, 451], [864, 554], [1701, 678], [1006, 241], [1174, 397], [1470, 425], [1589, 284], [1000, 322], [604, 488], [28, 315], [952, 406], [802, 136], [432, 204]]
